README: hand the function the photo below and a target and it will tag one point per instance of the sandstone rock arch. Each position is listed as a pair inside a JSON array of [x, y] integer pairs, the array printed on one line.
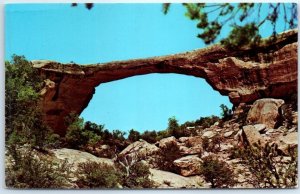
[[244, 75]]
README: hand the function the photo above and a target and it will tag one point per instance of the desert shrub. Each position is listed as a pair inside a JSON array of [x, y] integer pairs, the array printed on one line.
[[98, 175], [135, 173], [286, 116], [149, 136], [138, 177], [226, 113], [216, 143], [206, 144], [168, 154], [213, 144], [268, 168], [80, 134], [162, 134], [206, 122], [217, 172], [127, 172], [134, 135], [26, 169], [241, 113]]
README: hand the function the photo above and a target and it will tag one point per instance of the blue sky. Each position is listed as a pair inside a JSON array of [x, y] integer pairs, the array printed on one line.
[[112, 32]]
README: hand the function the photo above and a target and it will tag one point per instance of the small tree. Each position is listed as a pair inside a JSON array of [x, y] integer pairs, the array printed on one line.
[[149, 136], [226, 113], [134, 135], [174, 128], [80, 134], [217, 172]]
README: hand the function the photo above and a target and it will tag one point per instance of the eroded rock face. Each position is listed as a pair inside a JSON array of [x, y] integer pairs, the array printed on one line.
[[244, 75]]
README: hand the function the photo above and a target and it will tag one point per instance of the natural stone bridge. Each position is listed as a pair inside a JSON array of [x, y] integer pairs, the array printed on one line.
[[244, 75]]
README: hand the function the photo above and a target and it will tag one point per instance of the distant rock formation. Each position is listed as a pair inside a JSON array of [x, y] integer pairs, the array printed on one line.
[[244, 75]]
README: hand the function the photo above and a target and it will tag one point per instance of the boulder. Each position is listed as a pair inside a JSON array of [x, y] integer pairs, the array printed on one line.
[[251, 135], [195, 141], [164, 180], [261, 128], [163, 143], [284, 142], [208, 134], [225, 147], [198, 149], [295, 118], [228, 133], [188, 165], [265, 111], [141, 149], [75, 157]]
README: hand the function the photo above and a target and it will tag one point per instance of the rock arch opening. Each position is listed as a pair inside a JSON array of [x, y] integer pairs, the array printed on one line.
[[146, 102]]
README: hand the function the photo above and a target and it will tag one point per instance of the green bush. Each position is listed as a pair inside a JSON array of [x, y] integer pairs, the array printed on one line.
[[125, 173], [206, 122], [149, 136], [226, 113], [217, 172], [134, 135], [26, 169], [268, 168], [135, 173], [168, 154], [174, 129], [98, 175], [80, 134], [22, 114]]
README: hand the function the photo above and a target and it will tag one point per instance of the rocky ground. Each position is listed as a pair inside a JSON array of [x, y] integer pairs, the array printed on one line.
[[266, 121]]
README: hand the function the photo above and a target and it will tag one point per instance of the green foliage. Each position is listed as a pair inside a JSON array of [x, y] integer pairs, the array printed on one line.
[[89, 6], [22, 115], [98, 175], [206, 122], [86, 135], [134, 135], [217, 172], [150, 136], [125, 173], [166, 7], [117, 134], [80, 134], [244, 19], [242, 35], [28, 170], [168, 154], [135, 173], [226, 113], [138, 177], [174, 128], [268, 168]]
